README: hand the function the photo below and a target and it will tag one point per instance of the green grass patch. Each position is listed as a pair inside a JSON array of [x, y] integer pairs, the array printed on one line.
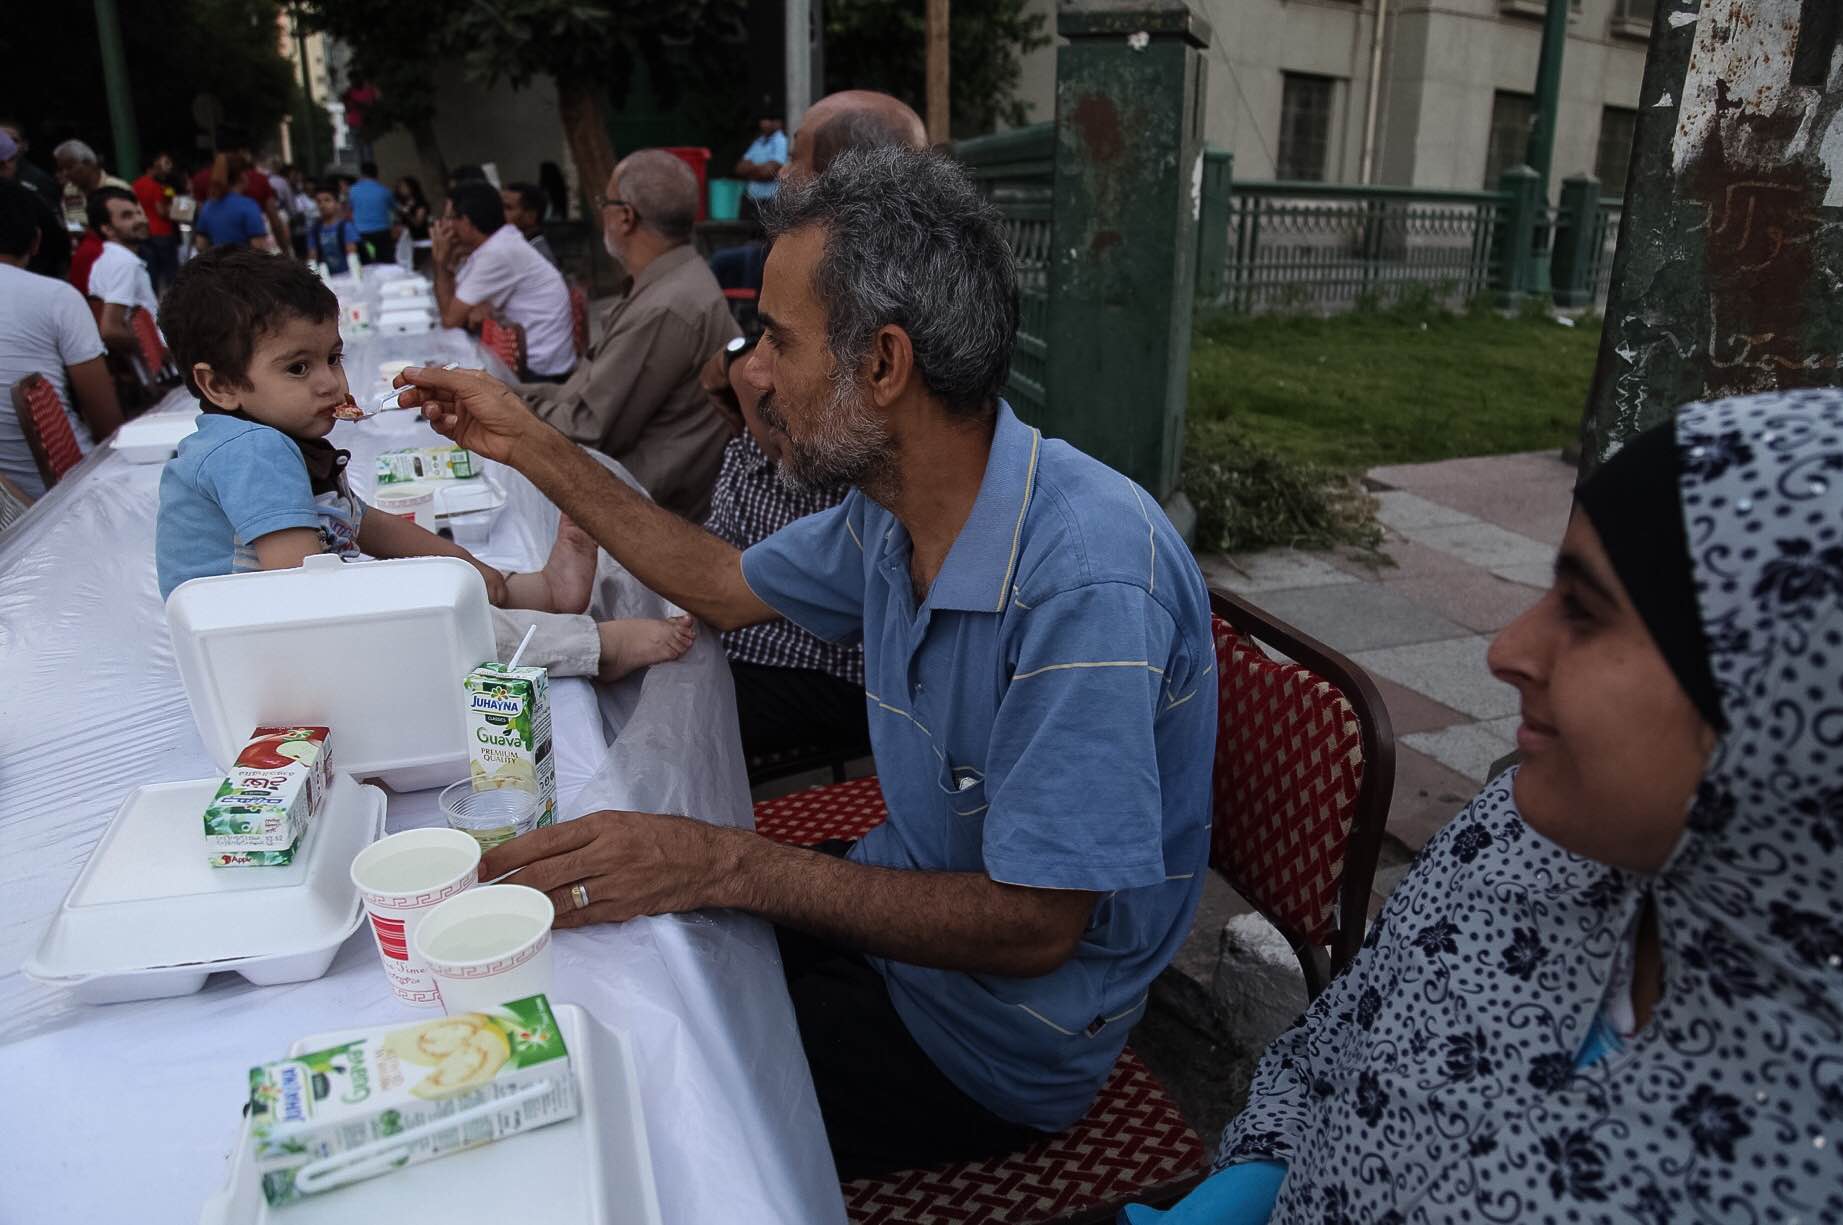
[[1287, 412], [1390, 387]]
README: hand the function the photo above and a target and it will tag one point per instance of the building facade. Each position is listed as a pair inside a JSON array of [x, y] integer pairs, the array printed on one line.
[[1289, 89]]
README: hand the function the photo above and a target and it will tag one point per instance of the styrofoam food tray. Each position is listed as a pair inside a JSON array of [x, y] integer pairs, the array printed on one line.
[[473, 496], [148, 917], [153, 439], [376, 650], [404, 285], [594, 1169]]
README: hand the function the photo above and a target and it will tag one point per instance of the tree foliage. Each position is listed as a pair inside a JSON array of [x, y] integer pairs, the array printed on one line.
[[882, 44], [175, 49]]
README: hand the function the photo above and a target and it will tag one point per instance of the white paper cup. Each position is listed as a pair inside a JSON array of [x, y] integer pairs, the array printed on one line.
[[407, 502], [403, 879], [488, 946]]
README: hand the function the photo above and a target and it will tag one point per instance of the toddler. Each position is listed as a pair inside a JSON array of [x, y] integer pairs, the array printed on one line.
[[259, 487]]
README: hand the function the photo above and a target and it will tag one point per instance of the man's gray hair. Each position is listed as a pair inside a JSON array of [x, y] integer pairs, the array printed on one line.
[[662, 190], [910, 241], [76, 151]]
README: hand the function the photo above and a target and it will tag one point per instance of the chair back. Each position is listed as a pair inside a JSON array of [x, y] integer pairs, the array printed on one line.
[[507, 342], [1305, 766], [47, 429], [154, 355], [579, 317]]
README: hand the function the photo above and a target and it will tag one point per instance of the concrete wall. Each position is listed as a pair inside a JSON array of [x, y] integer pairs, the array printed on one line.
[[1443, 62], [516, 129]]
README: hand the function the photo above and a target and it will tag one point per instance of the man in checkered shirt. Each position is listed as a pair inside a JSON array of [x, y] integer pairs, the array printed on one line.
[[792, 690]]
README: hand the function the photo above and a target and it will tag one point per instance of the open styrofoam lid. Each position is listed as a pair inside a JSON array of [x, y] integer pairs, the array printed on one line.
[[375, 650]]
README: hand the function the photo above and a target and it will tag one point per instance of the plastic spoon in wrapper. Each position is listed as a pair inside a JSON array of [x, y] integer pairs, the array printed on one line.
[[380, 1155]]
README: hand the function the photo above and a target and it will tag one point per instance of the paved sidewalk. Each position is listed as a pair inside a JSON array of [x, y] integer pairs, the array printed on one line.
[[1472, 542]]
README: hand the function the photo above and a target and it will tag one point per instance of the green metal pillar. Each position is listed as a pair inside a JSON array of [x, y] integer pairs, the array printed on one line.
[[1548, 91], [1213, 225], [311, 158], [1577, 229], [1518, 273], [115, 81], [1129, 167]]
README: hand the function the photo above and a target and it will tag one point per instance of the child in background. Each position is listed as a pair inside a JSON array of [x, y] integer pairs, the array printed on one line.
[[332, 238], [258, 486]]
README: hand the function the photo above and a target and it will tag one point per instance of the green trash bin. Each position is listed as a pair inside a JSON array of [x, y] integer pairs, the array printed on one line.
[[725, 199]]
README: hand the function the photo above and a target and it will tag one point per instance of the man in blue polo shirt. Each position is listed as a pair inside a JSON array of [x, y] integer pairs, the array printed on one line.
[[372, 210], [1038, 668]]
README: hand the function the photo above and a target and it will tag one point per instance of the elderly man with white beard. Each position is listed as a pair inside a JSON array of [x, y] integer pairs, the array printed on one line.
[[635, 395]]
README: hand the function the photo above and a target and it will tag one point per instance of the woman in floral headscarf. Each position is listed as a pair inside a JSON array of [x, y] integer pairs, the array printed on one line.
[[1612, 988]]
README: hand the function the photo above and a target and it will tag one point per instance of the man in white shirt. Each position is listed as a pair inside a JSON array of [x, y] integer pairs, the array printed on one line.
[[484, 266], [45, 328], [118, 278]]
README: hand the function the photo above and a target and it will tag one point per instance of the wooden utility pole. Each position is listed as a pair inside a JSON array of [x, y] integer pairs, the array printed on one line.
[[940, 109]]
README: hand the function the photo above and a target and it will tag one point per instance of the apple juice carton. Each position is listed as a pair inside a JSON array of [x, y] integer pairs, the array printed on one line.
[[271, 795], [426, 464], [508, 733], [401, 1083]]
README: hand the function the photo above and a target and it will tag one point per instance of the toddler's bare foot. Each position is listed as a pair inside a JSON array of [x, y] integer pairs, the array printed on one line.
[[636, 643], [570, 573]]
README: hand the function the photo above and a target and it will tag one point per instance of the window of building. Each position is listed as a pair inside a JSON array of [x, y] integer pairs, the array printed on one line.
[[1305, 128], [1634, 10], [1616, 127], [1511, 115]]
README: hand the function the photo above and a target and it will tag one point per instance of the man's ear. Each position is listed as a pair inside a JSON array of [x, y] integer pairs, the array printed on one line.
[[220, 390], [890, 365]]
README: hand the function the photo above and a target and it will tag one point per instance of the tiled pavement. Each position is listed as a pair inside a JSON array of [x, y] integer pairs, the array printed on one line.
[[1471, 542]]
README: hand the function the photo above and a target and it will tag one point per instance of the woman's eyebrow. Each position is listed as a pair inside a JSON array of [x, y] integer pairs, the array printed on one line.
[[1571, 567]]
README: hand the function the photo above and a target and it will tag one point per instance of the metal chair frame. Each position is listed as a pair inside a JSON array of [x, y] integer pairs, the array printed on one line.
[[1364, 842]]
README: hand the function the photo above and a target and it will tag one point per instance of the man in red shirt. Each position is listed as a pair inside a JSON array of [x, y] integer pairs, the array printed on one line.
[[89, 250], [161, 250]]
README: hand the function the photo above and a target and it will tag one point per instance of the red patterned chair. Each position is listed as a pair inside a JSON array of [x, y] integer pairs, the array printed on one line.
[[1305, 765], [154, 355], [47, 429], [1133, 1143], [506, 341], [579, 317]]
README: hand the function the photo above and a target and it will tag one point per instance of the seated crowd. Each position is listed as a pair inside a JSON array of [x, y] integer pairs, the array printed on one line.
[[1608, 990]]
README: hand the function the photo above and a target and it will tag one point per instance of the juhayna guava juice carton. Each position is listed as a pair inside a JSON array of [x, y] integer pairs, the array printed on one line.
[[404, 1081], [508, 733]]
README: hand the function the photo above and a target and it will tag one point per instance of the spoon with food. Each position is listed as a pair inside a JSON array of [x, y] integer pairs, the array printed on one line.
[[351, 410]]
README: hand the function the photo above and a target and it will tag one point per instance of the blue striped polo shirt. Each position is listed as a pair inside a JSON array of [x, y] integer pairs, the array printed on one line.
[[1047, 716]]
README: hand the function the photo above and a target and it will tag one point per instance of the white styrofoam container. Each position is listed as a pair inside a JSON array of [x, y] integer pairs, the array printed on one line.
[[153, 439], [148, 917], [376, 650], [594, 1169]]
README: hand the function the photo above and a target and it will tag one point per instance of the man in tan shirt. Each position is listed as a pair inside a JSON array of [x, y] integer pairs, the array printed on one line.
[[635, 396]]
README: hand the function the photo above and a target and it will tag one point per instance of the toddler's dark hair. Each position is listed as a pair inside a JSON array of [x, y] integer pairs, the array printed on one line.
[[224, 300]]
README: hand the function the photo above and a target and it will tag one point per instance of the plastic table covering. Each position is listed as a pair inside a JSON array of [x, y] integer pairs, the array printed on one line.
[[130, 1111]]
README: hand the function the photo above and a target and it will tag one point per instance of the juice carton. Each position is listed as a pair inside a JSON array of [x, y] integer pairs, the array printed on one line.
[[403, 1082], [271, 795], [508, 733], [426, 464]]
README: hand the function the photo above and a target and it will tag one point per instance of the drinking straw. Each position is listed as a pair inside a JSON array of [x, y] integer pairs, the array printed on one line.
[[522, 644]]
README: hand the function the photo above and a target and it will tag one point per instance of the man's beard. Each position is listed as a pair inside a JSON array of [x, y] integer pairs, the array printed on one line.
[[850, 445]]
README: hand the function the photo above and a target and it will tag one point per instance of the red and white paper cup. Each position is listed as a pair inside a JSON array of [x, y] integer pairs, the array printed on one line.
[[488, 947], [401, 879]]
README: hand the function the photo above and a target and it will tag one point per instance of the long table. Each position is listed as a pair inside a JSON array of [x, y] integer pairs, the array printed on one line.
[[129, 1112]]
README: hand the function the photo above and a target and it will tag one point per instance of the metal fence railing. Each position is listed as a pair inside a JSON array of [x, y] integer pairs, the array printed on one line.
[[1016, 170], [1321, 247], [1606, 242]]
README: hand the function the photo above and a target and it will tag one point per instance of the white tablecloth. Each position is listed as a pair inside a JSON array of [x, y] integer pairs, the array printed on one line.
[[129, 1112]]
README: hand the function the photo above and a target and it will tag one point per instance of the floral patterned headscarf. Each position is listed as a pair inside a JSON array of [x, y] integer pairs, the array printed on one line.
[[1436, 1079]]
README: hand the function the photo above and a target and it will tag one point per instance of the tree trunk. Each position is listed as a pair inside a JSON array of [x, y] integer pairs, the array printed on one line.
[[429, 153], [586, 135]]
